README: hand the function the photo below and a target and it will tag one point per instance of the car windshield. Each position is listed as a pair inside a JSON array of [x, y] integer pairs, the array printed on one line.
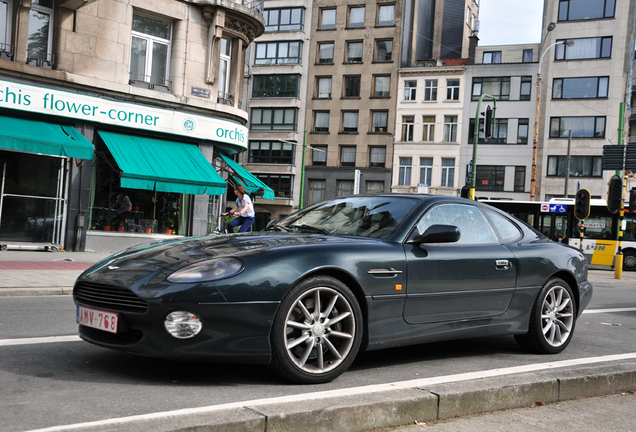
[[362, 216]]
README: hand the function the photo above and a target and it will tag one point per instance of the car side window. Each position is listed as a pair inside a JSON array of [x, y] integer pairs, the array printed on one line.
[[508, 231], [474, 227]]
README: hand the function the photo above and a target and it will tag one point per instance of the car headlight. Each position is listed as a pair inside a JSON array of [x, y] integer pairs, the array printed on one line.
[[219, 268], [183, 325]]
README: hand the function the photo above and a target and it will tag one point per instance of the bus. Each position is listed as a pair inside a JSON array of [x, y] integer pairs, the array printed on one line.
[[555, 219]]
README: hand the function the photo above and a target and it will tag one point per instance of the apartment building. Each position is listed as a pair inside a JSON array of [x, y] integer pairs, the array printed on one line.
[[276, 85], [504, 75], [585, 74], [98, 96]]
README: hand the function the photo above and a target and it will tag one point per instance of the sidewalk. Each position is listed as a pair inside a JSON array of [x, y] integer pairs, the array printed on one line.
[[27, 273]]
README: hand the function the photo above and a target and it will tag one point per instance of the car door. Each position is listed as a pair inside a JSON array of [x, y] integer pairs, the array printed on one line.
[[472, 278]]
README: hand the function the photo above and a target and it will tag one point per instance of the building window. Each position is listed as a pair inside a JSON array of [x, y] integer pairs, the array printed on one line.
[[428, 123], [450, 128], [380, 121], [581, 127], [356, 16], [354, 52], [352, 86], [580, 166], [325, 52], [580, 88], [448, 172], [520, 178], [224, 68], [490, 177], [316, 191], [374, 187], [381, 86], [574, 10], [408, 124], [426, 171], [499, 132], [273, 119], [149, 50], [345, 187], [585, 48], [274, 152], [522, 131], [323, 87], [327, 19], [321, 121], [319, 155], [452, 89], [350, 121], [285, 19], [404, 174], [280, 184], [430, 90], [386, 15], [527, 55], [383, 50], [525, 89], [347, 156], [6, 14], [498, 87], [271, 53], [377, 157], [492, 57], [410, 90], [40, 36], [275, 86]]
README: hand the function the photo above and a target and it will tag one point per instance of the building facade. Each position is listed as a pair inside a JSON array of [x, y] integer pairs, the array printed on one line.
[[106, 96]]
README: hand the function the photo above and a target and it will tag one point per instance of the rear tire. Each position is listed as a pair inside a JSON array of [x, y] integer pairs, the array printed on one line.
[[552, 319], [317, 331], [629, 260]]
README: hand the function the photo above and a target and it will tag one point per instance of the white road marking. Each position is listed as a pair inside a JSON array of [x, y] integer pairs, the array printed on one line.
[[595, 311], [38, 340], [354, 391]]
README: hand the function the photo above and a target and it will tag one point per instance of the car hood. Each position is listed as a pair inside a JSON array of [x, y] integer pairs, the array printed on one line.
[[174, 255]]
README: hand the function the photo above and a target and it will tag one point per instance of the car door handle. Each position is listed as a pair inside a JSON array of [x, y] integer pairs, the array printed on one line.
[[384, 272], [503, 264]]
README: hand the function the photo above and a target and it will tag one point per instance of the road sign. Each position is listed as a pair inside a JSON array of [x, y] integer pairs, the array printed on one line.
[[554, 208]]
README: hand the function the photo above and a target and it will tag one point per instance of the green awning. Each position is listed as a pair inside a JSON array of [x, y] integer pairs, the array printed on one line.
[[248, 180], [166, 166], [34, 136]]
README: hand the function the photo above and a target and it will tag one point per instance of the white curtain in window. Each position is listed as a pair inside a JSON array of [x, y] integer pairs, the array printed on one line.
[[348, 155], [378, 155], [356, 18], [326, 51], [355, 50], [322, 121], [386, 13], [350, 120], [324, 87], [584, 48], [380, 119], [319, 156]]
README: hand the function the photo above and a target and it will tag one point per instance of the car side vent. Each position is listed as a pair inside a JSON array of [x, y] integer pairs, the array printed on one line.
[[108, 297]]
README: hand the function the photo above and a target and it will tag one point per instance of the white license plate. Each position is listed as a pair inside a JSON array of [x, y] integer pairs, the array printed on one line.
[[98, 319]]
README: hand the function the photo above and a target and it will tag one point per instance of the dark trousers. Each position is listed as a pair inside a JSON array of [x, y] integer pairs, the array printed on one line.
[[244, 222]]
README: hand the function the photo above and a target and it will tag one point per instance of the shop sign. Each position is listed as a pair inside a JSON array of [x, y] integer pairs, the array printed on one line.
[[42, 100]]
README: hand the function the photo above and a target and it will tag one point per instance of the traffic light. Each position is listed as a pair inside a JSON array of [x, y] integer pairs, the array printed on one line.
[[614, 194], [582, 204], [488, 123], [465, 192], [632, 201]]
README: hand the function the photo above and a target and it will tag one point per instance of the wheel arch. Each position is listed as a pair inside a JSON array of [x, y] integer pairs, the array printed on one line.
[[572, 283]]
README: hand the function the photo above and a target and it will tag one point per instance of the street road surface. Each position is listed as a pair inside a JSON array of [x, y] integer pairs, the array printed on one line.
[[50, 378]]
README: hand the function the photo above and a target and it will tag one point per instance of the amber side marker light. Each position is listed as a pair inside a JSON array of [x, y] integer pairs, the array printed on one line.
[[398, 287]]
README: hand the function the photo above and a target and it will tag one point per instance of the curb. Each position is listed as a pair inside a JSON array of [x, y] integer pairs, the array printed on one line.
[[393, 408], [35, 291]]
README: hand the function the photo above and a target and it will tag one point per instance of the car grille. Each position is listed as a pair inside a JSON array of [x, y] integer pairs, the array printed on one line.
[[108, 297]]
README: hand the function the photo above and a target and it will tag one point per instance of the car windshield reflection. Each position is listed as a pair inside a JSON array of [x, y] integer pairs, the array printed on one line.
[[376, 217]]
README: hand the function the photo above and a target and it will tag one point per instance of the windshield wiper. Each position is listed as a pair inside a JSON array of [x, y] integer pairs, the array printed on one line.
[[277, 227], [312, 228]]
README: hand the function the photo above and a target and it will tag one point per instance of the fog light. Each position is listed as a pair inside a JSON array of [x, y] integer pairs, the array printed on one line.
[[183, 325]]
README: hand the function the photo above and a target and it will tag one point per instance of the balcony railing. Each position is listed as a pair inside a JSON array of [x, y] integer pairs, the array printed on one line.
[[256, 5], [40, 59], [152, 82], [6, 51]]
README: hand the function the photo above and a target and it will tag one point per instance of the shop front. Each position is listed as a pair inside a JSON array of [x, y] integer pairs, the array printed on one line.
[[94, 173]]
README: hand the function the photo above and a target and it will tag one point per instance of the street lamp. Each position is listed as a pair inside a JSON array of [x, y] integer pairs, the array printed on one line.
[[533, 179]]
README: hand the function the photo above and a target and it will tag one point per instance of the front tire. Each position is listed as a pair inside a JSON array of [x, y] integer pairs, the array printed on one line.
[[317, 331], [629, 261], [552, 320]]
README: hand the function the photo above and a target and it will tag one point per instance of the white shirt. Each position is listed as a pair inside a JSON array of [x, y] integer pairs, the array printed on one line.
[[240, 203]]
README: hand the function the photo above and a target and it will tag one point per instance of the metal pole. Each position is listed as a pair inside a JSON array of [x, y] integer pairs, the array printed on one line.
[[567, 166], [533, 178], [473, 176], [301, 201]]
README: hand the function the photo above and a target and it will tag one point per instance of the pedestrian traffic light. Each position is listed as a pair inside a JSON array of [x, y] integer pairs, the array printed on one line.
[[632, 201], [614, 194], [465, 192], [488, 123], [582, 204]]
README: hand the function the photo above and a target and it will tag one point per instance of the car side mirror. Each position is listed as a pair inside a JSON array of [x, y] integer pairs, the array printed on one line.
[[436, 234]]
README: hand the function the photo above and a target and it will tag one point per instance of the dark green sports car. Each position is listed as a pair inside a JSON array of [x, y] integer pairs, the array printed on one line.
[[353, 273]]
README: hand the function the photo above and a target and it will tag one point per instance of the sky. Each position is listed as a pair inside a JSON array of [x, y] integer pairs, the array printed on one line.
[[506, 22]]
